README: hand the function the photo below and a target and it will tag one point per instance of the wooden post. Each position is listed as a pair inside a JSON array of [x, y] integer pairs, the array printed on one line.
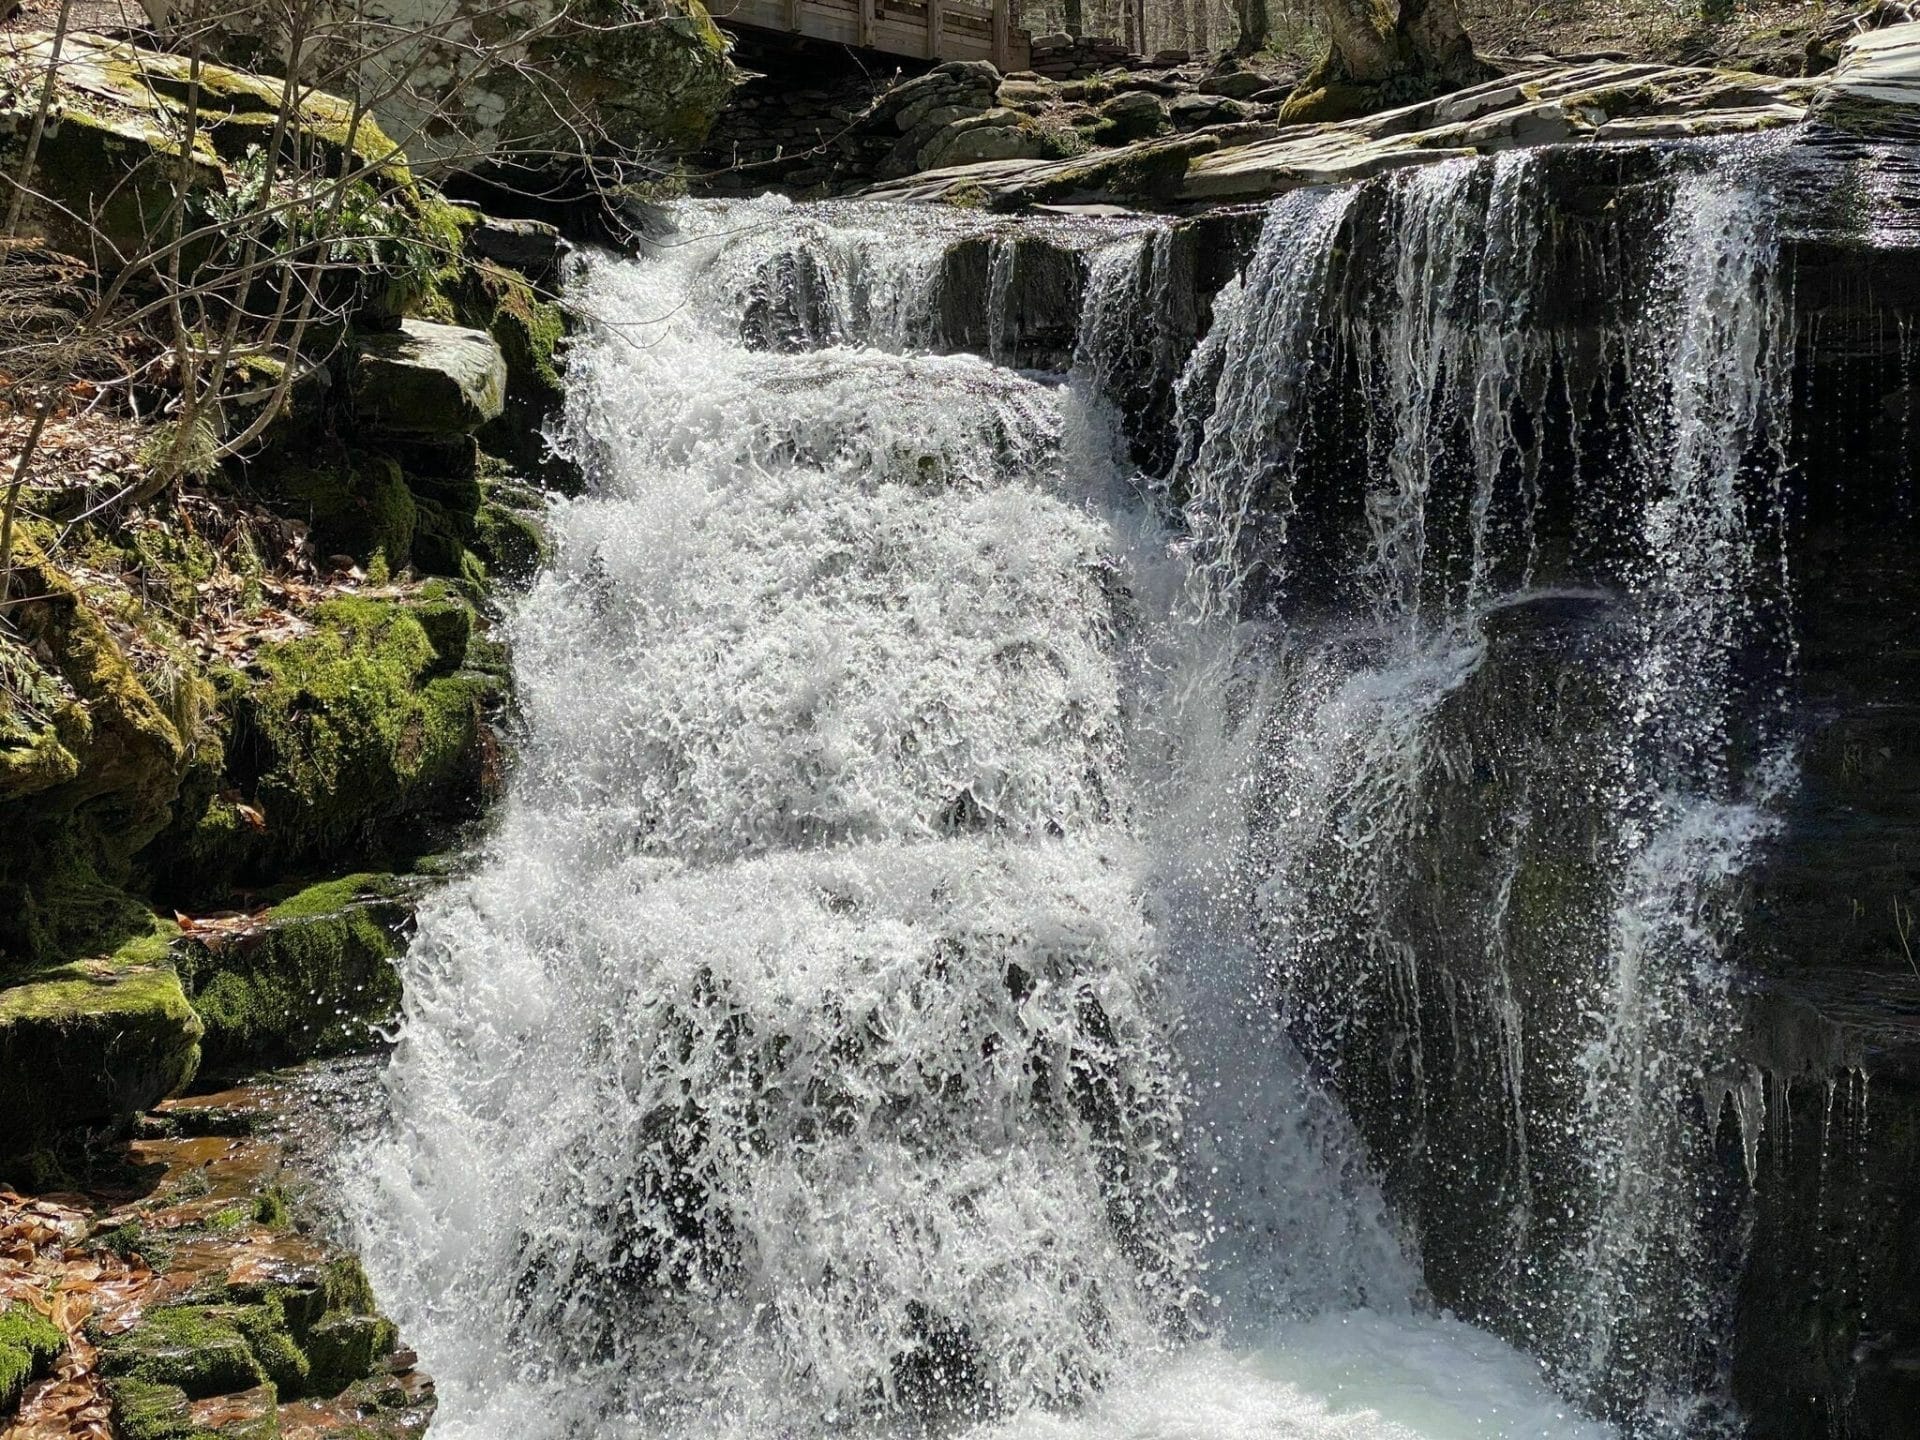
[[936, 24], [866, 24], [1000, 35], [793, 16]]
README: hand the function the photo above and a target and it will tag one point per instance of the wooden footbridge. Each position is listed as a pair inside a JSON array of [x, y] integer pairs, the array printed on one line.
[[923, 29]]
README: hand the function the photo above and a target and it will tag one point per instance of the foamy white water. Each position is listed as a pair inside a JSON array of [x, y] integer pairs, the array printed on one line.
[[857, 1023]]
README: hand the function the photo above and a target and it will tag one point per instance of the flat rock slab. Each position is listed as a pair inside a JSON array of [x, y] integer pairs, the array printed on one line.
[[426, 380], [1546, 104], [1875, 88]]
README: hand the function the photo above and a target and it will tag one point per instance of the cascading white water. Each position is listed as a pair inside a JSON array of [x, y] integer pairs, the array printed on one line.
[[1411, 833], [855, 1023]]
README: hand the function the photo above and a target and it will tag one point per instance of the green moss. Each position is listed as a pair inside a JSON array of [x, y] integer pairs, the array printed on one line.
[[145, 1411], [357, 504], [316, 982], [356, 726], [530, 332], [355, 741], [266, 1332], [93, 1041], [332, 897], [347, 1288], [345, 1348], [271, 1209], [29, 1344], [126, 1240], [123, 760], [198, 1348], [313, 1339], [513, 543]]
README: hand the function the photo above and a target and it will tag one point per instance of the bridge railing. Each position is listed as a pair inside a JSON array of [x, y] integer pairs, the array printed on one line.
[[926, 29]]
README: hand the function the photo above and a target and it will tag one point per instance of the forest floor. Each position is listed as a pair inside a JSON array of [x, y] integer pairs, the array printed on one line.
[[1770, 35], [1773, 36]]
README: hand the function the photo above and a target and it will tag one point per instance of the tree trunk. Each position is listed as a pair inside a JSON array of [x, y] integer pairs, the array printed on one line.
[[1439, 39], [1255, 27], [1380, 56]]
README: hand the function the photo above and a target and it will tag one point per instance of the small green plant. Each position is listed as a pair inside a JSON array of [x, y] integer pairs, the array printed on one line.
[[182, 447], [271, 1209]]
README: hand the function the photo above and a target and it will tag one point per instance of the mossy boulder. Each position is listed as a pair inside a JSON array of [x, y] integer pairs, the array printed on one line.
[[510, 535], [530, 331], [344, 1348], [93, 1041], [113, 160], [90, 762], [29, 1344], [355, 739], [1131, 115], [200, 1350], [357, 504], [312, 1338], [314, 979]]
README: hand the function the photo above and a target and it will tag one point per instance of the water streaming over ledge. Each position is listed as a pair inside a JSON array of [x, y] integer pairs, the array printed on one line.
[[920, 976]]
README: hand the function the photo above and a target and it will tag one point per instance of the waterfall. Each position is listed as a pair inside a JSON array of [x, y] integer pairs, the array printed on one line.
[[1423, 867], [960, 949]]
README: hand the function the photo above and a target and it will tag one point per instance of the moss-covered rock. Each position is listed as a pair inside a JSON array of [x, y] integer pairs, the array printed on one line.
[[358, 504], [352, 740], [110, 167], [315, 979], [511, 539], [91, 1042], [292, 1340], [29, 1344], [90, 761], [345, 1348], [529, 330], [146, 1411], [200, 1350]]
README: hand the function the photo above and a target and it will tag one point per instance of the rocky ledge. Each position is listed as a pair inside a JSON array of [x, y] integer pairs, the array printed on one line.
[[235, 717], [1867, 95], [191, 1292]]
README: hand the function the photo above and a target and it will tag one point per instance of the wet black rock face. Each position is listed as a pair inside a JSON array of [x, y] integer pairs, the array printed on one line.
[[1809, 1134]]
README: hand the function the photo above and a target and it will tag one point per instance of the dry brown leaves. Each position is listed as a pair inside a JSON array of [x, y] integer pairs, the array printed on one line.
[[218, 931], [45, 1263], [77, 448]]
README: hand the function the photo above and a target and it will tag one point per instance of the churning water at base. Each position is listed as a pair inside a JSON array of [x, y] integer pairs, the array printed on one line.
[[863, 1019]]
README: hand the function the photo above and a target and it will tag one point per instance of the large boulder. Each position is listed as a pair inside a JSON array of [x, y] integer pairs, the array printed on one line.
[[428, 380], [355, 740], [109, 163], [470, 81], [1875, 89], [313, 975], [997, 134]]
